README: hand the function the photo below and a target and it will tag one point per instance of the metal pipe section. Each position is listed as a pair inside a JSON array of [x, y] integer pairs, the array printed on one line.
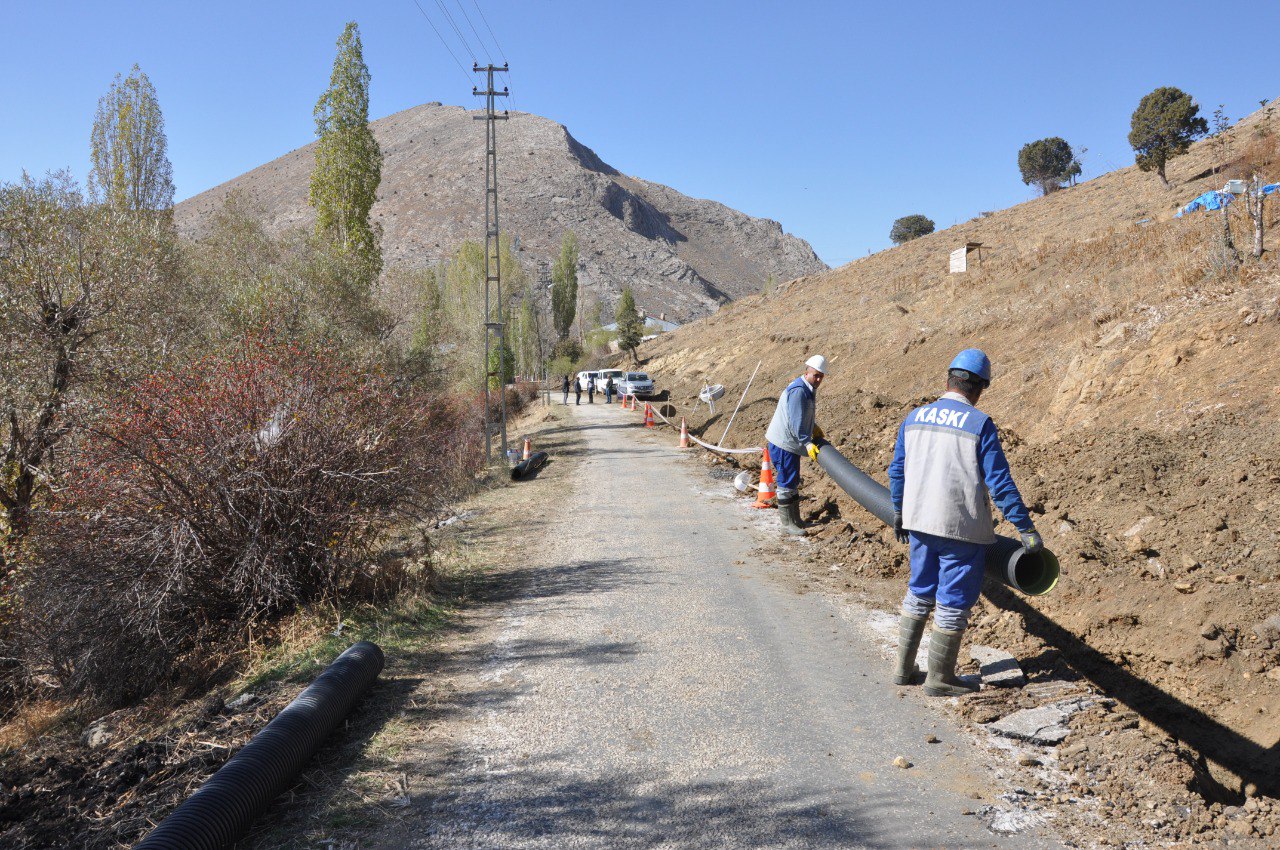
[[1007, 561], [224, 807], [525, 468]]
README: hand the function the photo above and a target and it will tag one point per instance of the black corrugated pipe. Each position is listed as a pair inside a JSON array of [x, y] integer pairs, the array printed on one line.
[[222, 809], [526, 468], [1007, 561]]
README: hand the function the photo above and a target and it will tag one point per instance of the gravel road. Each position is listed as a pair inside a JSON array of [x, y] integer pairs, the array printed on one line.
[[650, 685]]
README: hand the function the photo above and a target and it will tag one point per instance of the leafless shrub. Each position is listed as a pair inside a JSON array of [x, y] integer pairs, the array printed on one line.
[[227, 490]]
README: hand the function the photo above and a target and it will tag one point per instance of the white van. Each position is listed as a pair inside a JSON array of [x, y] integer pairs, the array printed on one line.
[[601, 376]]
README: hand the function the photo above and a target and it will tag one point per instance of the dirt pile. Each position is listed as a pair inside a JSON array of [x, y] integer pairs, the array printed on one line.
[[1137, 394]]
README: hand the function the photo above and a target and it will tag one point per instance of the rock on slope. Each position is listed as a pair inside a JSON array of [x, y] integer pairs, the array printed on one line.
[[683, 256]]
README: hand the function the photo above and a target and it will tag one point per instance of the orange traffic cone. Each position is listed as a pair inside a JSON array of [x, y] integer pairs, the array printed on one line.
[[648, 415], [528, 448], [767, 497], [684, 434]]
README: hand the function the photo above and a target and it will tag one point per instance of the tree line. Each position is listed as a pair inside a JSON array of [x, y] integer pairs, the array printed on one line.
[[196, 435]]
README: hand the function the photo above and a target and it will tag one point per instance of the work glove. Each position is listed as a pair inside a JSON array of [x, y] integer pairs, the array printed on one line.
[[818, 433], [812, 449], [1031, 542], [898, 531]]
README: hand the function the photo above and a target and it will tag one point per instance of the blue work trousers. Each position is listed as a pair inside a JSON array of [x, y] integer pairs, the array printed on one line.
[[946, 571], [786, 470]]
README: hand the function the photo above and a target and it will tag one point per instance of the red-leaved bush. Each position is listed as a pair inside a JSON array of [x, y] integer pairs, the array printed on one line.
[[225, 490]]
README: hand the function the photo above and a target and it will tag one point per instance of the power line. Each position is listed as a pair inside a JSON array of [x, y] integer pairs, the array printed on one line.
[[461, 67], [491, 35], [479, 40], [515, 103], [448, 17]]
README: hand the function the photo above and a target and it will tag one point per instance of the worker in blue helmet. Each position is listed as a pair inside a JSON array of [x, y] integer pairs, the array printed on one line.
[[947, 466]]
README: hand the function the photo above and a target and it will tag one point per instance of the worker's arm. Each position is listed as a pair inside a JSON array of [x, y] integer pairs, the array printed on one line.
[[898, 469], [995, 470]]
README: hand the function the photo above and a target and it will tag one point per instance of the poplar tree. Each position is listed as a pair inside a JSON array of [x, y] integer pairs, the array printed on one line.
[[348, 168], [127, 146], [630, 328], [564, 286]]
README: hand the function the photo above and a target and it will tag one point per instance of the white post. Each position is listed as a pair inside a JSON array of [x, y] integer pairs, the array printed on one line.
[[735, 410]]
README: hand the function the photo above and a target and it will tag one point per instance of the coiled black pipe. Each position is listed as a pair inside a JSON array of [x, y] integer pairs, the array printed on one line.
[[525, 468], [222, 809], [1007, 561]]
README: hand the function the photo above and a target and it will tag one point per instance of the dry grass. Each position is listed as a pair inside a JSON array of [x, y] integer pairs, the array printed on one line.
[[35, 719]]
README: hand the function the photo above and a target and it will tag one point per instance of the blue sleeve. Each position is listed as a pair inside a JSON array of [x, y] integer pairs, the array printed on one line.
[[897, 469], [795, 415], [995, 470]]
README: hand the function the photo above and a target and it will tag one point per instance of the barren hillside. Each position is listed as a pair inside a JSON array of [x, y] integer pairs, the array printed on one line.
[[1137, 389], [683, 256]]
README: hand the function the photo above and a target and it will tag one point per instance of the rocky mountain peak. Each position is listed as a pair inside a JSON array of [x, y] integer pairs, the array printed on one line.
[[682, 256]]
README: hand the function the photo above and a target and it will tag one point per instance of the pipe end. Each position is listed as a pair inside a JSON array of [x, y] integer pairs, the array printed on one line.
[[1034, 575]]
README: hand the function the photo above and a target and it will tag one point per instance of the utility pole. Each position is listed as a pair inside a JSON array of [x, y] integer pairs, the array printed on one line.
[[492, 258]]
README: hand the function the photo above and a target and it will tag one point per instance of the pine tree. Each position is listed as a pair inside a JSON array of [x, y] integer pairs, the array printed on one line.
[[1163, 126], [910, 227], [564, 286], [128, 148], [348, 168], [630, 328], [1047, 163]]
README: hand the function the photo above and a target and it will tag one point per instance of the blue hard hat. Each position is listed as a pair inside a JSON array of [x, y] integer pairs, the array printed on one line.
[[975, 362]]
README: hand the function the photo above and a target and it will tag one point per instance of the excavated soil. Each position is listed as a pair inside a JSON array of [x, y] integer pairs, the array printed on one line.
[[1137, 394]]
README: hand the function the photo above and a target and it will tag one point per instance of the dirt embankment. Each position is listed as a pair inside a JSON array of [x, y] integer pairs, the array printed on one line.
[[1137, 394]]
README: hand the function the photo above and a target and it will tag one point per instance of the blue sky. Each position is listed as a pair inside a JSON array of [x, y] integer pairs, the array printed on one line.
[[831, 117]]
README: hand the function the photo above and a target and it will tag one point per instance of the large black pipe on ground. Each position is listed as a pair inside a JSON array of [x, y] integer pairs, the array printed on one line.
[[223, 808], [1007, 561], [525, 468]]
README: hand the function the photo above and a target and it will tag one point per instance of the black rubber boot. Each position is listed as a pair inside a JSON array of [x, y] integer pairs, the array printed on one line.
[[944, 649], [910, 631], [789, 513]]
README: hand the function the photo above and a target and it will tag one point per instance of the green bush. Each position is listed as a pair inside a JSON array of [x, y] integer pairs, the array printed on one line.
[[910, 227], [1047, 163]]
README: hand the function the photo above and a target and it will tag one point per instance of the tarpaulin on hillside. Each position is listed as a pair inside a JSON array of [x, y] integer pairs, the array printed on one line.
[[1271, 187], [1213, 200]]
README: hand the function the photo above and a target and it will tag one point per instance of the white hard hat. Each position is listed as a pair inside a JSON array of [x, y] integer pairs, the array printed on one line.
[[818, 362]]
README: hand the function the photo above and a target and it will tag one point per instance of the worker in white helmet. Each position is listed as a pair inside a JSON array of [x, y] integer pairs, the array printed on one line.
[[791, 435]]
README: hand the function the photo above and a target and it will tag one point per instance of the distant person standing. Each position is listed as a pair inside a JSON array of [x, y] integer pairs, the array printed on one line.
[[577, 391], [564, 387], [591, 389], [608, 390]]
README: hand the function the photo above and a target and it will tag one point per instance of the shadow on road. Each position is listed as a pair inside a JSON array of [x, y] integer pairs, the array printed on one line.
[[544, 805]]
